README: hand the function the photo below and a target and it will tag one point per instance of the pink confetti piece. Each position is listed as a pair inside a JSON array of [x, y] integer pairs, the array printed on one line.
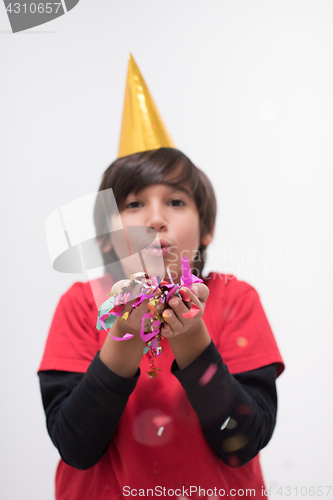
[[146, 336], [154, 343], [127, 336], [195, 279], [143, 297], [161, 420], [208, 375], [186, 271], [171, 292], [192, 312]]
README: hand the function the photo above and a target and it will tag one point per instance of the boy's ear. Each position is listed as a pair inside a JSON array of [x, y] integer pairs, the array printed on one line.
[[106, 247], [207, 239]]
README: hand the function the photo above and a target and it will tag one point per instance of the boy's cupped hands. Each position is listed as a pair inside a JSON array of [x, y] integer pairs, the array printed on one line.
[[176, 311], [175, 321]]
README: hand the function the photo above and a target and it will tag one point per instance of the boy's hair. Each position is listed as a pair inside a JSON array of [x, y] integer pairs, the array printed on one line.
[[131, 174]]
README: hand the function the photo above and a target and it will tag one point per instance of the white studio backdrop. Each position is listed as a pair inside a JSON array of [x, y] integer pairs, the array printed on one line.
[[245, 89]]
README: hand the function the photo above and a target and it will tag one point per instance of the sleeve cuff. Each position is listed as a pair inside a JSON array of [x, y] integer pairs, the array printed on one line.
[[111, 381]]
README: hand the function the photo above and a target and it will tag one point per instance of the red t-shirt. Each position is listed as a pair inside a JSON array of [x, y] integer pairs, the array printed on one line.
[[139, 460]]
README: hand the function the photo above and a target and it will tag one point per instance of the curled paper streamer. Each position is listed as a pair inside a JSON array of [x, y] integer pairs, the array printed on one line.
[[127, 336]]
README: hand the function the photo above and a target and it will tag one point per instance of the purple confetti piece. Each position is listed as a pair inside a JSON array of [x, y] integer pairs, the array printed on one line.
[[146, 336], [187, 274], [154, 343], [143, 297], [171, 292]]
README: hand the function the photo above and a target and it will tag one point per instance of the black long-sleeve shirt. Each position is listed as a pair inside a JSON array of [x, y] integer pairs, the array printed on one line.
[[237, 412]]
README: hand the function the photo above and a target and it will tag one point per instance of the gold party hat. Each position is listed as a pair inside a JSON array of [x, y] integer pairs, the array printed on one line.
[[142, 128]]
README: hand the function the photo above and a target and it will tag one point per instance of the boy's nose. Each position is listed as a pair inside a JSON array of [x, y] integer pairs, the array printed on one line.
[[157, 224], [157, 227], [157, 220]]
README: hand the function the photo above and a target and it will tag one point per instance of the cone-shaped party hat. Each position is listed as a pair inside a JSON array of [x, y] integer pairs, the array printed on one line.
[[142, 128]]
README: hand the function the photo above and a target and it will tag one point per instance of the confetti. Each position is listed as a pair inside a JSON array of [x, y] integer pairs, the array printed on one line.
[[208, 375], [161, 420], [225, 423], [192, 312], [242, 341], [244, 410], [232, 424], [127, 336], [158, 295], [145, 428], [124, 316], [234, 443]]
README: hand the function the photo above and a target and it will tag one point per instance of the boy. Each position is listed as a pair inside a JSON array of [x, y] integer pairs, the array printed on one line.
[[194, 432]]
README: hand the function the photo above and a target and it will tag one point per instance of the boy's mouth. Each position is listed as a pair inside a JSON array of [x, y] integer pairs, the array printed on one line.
[[156, 250]]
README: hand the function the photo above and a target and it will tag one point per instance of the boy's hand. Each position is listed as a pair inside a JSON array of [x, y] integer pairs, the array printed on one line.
[[173, 314], [133, 321]]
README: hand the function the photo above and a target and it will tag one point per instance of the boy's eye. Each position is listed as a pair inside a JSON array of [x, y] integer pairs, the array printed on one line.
[[133, 204], [177, 203]]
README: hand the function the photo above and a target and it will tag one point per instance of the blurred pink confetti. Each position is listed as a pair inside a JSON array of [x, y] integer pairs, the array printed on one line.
[[161, 420], [147, 428], [208, 375]]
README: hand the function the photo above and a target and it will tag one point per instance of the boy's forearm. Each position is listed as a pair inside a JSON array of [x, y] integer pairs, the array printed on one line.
[[122, 357], [248, 400], [83, 410], [187, 346]]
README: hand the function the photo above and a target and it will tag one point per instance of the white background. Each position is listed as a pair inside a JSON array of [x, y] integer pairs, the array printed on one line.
[[246, 91]]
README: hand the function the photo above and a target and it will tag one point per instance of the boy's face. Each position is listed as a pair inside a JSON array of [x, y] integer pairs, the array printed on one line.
[[173, 214]]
